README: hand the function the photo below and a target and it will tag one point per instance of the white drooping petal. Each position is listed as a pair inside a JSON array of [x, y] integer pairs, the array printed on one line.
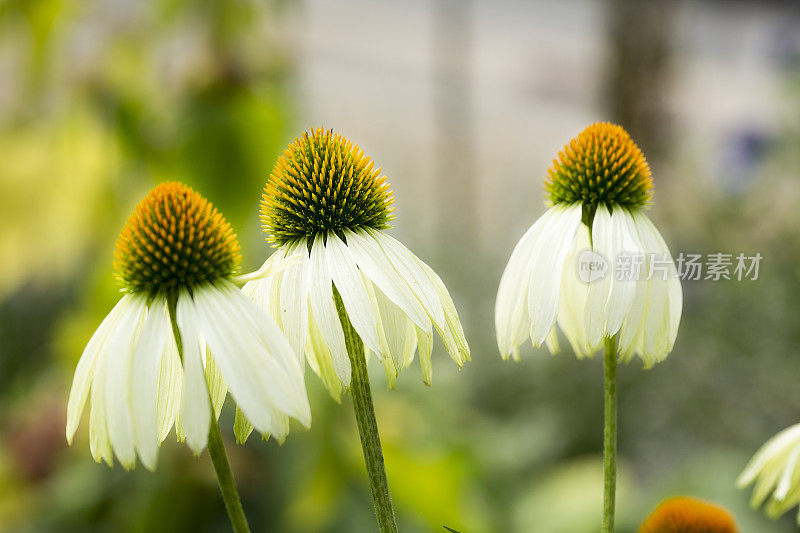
[[574, 293], [254, 357], [776, 447], [320, 292], [217, 388], [511, 318], [195, 411], [425, 341], [376, 265], [99, 440], [394, 322], [118, 359], [170, 383], [623, 290], [242, 428], [294, 299], [144, 381], [611, 297], [348, 281], [452, 334], [599, 289], [265, 291], [405, 263], [657, 325], [550, 251], [320, 360], [630, 334], [674, 291], [774, 468], [85, 371]]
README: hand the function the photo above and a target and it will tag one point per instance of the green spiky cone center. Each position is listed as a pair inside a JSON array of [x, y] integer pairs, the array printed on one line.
[[323, 183]]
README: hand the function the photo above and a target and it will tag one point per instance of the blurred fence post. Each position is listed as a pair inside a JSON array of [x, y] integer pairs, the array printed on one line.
[[640, 37], [455, 187]]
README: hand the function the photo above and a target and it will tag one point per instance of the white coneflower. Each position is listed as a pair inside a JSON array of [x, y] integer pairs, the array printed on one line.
[[597, 189], [176, 258], [775, 469], [568, 270], [325, 204]]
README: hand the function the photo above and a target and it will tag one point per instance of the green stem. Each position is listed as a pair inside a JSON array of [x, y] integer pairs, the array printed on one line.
[[610, 435], [216, 449], [227, 486], [367, 426]]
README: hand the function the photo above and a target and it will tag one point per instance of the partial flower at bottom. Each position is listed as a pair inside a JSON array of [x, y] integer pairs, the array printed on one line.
[[176, 258], [775, 469], [683, 514]]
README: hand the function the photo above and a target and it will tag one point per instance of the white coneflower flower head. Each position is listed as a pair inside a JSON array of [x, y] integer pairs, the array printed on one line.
[[176, 258], [775, 469], [326, 204], [566, 269]]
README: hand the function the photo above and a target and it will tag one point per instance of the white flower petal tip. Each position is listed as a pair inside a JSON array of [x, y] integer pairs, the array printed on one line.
[[775, 469], [561, 274], [393, 300], [272, 266]]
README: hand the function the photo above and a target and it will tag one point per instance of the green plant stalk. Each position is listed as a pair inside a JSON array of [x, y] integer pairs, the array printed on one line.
[[367, 426], [216, 449], [610, 435]]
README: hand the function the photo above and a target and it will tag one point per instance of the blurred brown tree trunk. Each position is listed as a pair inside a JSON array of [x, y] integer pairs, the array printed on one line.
[[640, 35]]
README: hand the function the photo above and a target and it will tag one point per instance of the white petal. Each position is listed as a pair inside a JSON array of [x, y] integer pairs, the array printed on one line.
[[656, 326], [574, 293], [376, 265], [195, 413], [255, 358], [217, 388], [348, 281], [550, 252], [787, 438], [145, 368], [623, 291], [425, 340], [242, 428], [170, 383], [511, 318], [414, 276], [117, 385], [320, 292], [393, 320], [294, 300], [675, 294], [321, 360], [84, 372], [600, 289], [452, 333], [99, 441], [782, 489], [629, 341]]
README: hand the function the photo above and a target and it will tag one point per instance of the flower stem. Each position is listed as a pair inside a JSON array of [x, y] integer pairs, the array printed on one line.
[[610, 435], [367, 426], [216, 449], [233, 504]]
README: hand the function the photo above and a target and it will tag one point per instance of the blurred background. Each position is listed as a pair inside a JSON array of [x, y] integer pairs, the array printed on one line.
[[464, 104]]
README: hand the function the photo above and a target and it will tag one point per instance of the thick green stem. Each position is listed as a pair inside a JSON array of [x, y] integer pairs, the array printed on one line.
[[367, 426], [610, 435], [216, 449]]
